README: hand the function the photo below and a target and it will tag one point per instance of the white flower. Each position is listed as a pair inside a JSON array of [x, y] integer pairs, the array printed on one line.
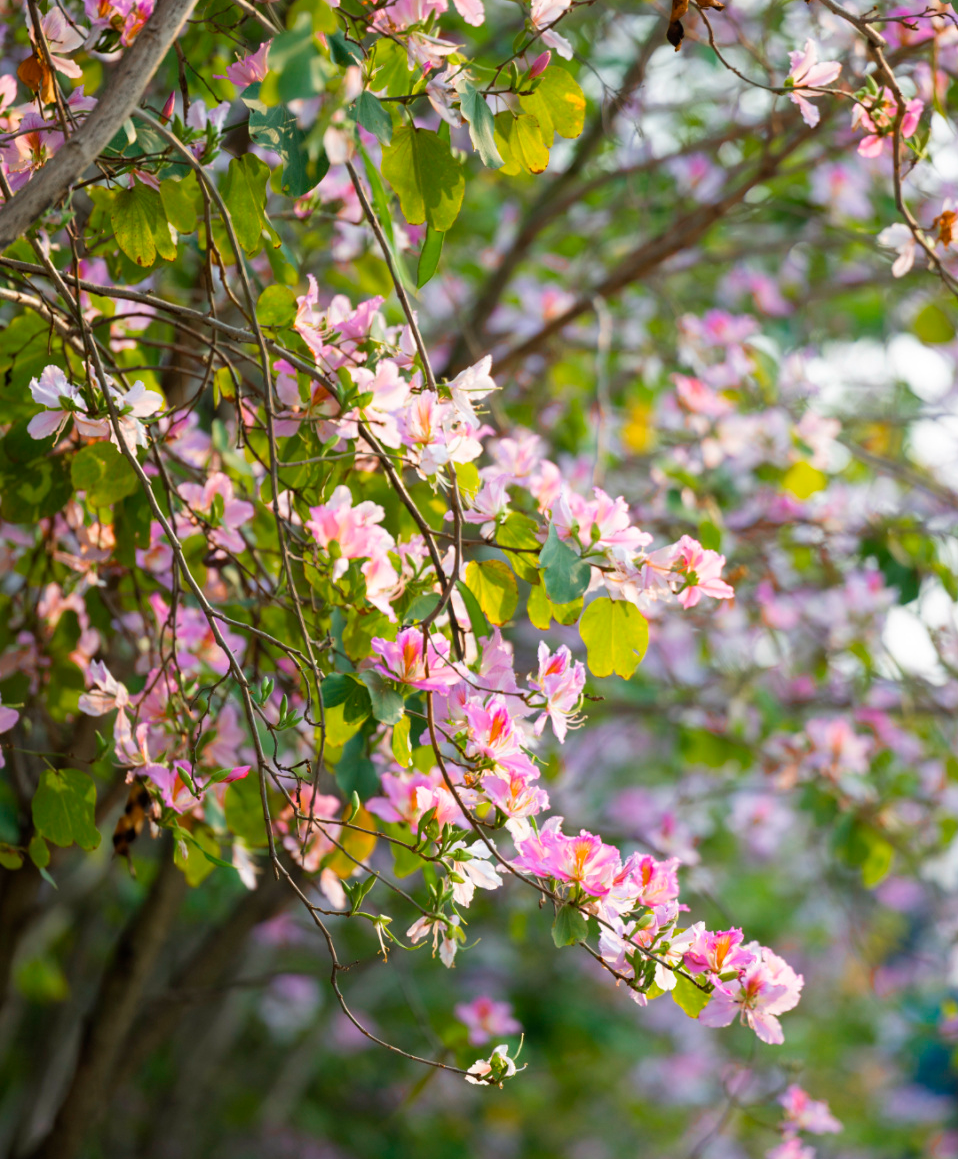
[[475, 872], [491, 1071], [472, 383], [899, 237]]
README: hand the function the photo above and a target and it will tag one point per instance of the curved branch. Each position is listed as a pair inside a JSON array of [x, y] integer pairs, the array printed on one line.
[[114, 105]]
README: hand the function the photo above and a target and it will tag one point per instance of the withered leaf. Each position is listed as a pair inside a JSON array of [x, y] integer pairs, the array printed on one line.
[[38, 78]]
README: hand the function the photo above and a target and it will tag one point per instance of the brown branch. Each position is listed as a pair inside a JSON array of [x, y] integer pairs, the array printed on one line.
[[114, 1012], [686, 232], [131, 76]]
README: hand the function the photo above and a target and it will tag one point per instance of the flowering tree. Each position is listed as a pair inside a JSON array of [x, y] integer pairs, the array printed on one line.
[[357, 576]]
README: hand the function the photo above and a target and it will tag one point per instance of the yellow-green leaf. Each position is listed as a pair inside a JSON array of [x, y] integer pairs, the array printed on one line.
[[520, 144], [492, 583], [689, 997], [616, 636], [558, 103], [244, 192], [802, 480]]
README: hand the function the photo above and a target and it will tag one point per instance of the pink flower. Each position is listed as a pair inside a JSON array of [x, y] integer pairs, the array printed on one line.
[[657, 881], [511, 793], [583, 860], [61, 37], [439, 798], [227, 516], [487, 1019], [492, 734], [540, 64], [806, 1114], [767, 988], [701, 570], [808, 73], [8, 718], [878, 120], [836, 747], [404, 661], [791, 1149], [356, 532], [251, 68], [544, 14], [399, 803], [716, 953], [560, 680], [108, 693]]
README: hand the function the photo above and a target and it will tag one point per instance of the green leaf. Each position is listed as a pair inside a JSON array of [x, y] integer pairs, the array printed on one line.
[[139, 223], [558, 104], [355, 772], [244, 811], [10, 857], [387, 704], [38, 490], [342, 689], [420, 167], [369, 112], [877, 864], [481, 126], [297, 69], [520, 143], [616, 635], [179, 202], [565, 573], [402, 750], [933, 326], [477, 621], [492, 583], [277, 129], [519, 531], [276, 306], [429, 256], [244, 192], [344, 52], [39, 851], [689, 997], [569, 926], [63, 808], [420, 608], [201, 849], [103, 473]]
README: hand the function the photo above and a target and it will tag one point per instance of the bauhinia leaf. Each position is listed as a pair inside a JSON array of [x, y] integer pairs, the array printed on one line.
[[566, 574], [616, 635], [420, 166], [479, 117], [244, 192], [429, 256], [558, 104], [492, 583], [370, 113], [64, 806], [569, 926], [689, 997]]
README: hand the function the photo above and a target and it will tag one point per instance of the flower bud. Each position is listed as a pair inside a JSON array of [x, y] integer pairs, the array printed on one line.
[[540, 64], [167, 111]]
